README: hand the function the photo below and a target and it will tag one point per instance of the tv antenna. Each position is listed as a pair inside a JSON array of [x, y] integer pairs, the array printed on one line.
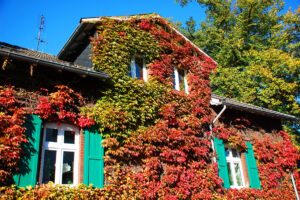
[[41, 28]]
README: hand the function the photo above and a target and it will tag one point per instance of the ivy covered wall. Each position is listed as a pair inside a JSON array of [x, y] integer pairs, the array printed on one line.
[[157, 141]]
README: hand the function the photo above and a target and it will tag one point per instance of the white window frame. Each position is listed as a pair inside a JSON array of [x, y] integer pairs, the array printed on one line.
[[235, 160], [60, 147], [185, 82], [133, 69]]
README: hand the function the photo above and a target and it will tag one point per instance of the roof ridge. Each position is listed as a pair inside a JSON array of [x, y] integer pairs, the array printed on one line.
[[122, 16], [12, 46]]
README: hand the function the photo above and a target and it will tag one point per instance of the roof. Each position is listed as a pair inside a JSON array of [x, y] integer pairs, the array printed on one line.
[[27, 55], [87, 27], [231, 103]]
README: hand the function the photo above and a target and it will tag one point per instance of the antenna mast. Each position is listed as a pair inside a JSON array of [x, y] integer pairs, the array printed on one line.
[[41, 28]]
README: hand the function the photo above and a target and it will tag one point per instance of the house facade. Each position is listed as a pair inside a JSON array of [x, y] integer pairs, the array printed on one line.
[[146, 125]]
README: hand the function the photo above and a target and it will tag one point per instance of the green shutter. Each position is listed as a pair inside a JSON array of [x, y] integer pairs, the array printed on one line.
[[93, 158], [28, 164], [221, 159], [252, 168]]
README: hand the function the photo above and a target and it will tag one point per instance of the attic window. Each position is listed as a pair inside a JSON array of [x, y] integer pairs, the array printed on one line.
[[180, 80], [138, 68]]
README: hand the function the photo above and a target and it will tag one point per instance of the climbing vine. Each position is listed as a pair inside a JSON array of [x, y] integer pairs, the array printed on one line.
[[63, 105], [276, 159], [115, 46], [135, 103], [11, 132]]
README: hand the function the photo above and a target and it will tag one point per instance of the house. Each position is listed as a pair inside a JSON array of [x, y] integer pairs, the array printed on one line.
[[143, 73]]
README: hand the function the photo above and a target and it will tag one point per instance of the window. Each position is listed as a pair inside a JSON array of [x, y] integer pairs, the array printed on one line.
[[60, 154], [180, 81], [56, 155], [235, 169], [138, 68]]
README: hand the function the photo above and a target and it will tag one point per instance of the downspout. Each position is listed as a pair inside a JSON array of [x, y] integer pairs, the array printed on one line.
[[294, 185], [212, 124], [219, 115]]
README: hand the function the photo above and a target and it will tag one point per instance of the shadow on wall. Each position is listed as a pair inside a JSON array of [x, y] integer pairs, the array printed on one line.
[[29, 151]]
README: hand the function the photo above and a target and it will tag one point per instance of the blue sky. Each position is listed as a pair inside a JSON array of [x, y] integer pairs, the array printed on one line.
[[20, 18]]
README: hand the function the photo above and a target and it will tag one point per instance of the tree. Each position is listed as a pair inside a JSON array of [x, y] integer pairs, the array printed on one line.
[[257, 49], [292, 22], [271, 80]]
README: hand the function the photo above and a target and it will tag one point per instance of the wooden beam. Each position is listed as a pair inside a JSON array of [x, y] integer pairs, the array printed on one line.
[[31, 68]]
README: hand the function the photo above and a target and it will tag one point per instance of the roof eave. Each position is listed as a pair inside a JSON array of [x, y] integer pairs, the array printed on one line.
[[251, 108], [61, 66], [83, 30]]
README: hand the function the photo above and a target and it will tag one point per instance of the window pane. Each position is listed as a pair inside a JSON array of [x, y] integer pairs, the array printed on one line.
[[174, 79], [235, 153], [51, 135], [49, 166], [238, 173], [68, 168], [181, 79], [130, 72], [139, 67], [229, 173], [227, 151], [69, 137]]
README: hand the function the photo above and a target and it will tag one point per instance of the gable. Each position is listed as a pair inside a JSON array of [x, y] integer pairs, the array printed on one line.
[[76, 48]]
